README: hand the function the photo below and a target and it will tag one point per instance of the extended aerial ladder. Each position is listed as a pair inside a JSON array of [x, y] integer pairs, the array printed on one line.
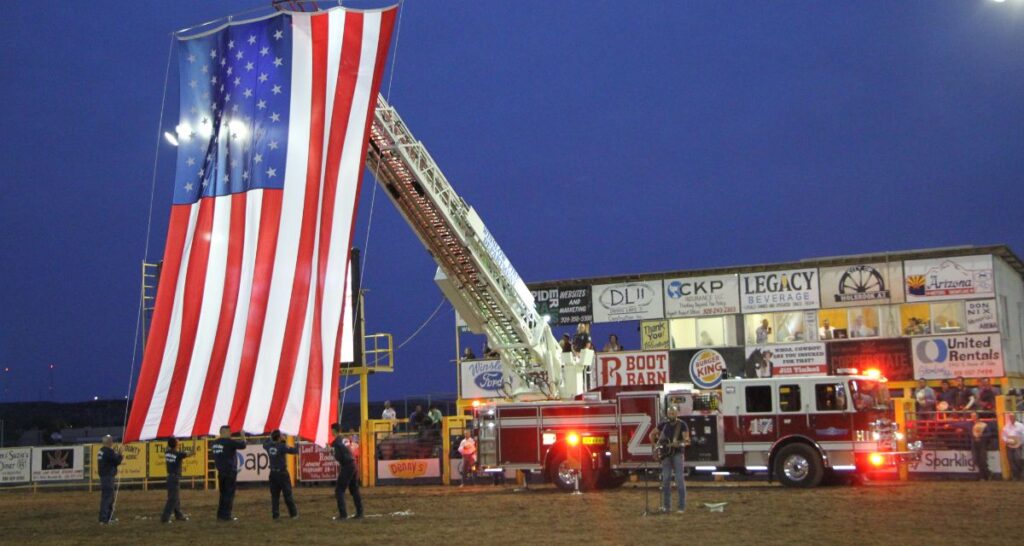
[[473, 272]]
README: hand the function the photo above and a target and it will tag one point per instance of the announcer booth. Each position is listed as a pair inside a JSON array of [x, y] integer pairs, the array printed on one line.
[[932, 315]]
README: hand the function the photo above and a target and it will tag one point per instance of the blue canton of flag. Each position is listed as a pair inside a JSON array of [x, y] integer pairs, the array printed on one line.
[[235, 96]]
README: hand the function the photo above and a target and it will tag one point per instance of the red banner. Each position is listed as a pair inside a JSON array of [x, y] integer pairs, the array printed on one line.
[[316, 464]]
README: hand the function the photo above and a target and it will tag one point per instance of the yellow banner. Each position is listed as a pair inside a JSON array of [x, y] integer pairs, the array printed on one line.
[[654, 335], [194, 465], [132, 466]]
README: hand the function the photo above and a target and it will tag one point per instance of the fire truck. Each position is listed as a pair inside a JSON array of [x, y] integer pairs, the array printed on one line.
[[798, 429]]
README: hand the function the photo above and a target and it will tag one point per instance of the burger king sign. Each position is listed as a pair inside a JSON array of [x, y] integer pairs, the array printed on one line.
[[706, 368]]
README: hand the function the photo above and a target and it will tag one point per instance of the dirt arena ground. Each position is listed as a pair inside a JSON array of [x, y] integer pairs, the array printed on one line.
[[757, 513]]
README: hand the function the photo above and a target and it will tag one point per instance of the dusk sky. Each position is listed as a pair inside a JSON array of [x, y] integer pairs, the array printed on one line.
[[594, 138]]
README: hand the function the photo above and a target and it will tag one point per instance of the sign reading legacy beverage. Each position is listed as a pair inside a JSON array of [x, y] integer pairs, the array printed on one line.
[[15, 465], [484, 379], [133, 465], [862, 284], [408, 469], [700, 296], [782, 360], [635, 368], [891, 357], [57, 463], [706, 368], [981, 316], [779, 290], [949, 278], [193, 466], [564, 305], [946, 357], [628, 301], [253, 463], [316, 463], [654, 335]]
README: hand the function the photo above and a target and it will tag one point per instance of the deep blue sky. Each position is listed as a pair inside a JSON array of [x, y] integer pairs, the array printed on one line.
[[593, 138]]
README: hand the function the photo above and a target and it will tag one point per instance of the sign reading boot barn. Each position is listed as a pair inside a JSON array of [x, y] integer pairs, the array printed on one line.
[[861, 284], [779, 290], [639, 300]]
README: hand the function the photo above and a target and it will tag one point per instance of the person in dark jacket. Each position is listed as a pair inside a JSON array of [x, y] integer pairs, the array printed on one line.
[[107, 461], [280, 481], [348, 478], [225, 450], [173, 458]]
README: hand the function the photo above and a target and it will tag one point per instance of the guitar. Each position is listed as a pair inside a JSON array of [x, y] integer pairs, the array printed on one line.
[[665, 447]]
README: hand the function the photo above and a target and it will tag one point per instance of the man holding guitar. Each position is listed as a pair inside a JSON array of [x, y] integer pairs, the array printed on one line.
[[669, 439]]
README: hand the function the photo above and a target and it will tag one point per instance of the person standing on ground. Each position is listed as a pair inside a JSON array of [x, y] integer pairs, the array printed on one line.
[[675, 435], [280, 480], [173, 458], [981, 435], [348, 478], [224, 451], [107, 461], [467, 448], [1013, 437]]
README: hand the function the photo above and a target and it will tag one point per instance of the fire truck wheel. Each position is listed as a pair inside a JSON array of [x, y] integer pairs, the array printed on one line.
[[798, 465]]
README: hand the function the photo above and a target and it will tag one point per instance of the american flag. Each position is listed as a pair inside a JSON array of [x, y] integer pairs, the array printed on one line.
[[272, 135]]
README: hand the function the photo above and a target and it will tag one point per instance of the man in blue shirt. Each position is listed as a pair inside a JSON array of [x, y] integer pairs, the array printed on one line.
[[674, 434], [225, 450], [173, 458], [107, 461], [280, 481], [348, 478]]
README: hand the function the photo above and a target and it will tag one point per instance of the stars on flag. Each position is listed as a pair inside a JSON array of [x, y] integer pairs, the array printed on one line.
[[252, 39], [278, 35], [262, 104], [271, 172], [275, 117], [273, 145], [263, 77], [190, 161], [278, 62], [276, 90], [264, 51], [231, 44], [247, 93], [257, 159], [191, 58], [240, 54], [249, 66], [213, 53]]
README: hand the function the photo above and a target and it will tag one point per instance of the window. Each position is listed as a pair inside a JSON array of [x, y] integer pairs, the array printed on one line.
[[863, 321], [915, 319], [683, 332], [830, 396], [711, 332], [789, 327], [832, 324], [689, 333], [760, 328], [759, 399], [948, 317], [789, 398]]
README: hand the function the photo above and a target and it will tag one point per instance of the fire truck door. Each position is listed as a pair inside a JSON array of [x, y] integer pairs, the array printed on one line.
[[830, 421], [794, 409], [758, 426]]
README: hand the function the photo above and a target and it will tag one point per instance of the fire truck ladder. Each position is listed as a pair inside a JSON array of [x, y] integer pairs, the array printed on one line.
[[473, 272]]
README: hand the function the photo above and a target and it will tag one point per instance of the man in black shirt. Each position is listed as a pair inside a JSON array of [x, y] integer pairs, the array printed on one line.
[[675, 436], [347, 476], [280, 481], [107, 461], [417, 419], [224, 451], [173, 458]]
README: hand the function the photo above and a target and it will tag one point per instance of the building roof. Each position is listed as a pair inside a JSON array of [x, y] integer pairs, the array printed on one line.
[[1001, 251]]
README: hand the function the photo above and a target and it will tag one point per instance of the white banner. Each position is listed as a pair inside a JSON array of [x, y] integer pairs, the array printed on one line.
[[628, 301], [634, 368], [57, 463], [981, 316], [862, 284], [408, 469], [786, 359], [779, 290], [946, 357], [960, 462], [702, 296], [15, 465], [484, 379], [253, 463], [949, 278]]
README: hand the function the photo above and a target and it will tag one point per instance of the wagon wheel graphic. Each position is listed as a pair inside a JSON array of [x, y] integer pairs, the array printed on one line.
[[860, 281]]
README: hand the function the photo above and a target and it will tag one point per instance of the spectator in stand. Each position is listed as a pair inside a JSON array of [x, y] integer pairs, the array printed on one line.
[[107, 461], [468, 354], [981, 437], [566, 343], [613, 345], [986, 398], [488, 352], [582, 338], [965, 399], [947, 397], [925, 397], [467, 448], [389, 412], [1013, 437], [434, 417], [826, 331], [762, 332], [417, 419]]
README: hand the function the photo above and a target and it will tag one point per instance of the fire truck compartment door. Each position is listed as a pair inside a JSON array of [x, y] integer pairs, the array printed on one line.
[[706, 440]]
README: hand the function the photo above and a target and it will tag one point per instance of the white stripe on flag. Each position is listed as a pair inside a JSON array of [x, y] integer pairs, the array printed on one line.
[[163, 382]]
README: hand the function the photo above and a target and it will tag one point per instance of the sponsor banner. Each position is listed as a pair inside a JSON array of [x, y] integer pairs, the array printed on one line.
[[952, 462], [316, 463], [706, 368], [133, 465], [862, 284], [564, 305], [57, 463], [702, 296], [633, 368], [408, 469], [15, 465], [779, 290], [484, 379], [654, 335], [253, 463], [628, 301], [786, 359], [193, 466], [946, 357], [949, 278], [981, 316], [891, 357]]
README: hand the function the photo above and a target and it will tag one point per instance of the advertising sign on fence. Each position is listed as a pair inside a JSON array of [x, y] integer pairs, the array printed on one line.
[[193, 466], [790, 359], [15, 465], [57, 463], [408, 469], [316, 463], [253, 464], [862, 284], [891, 357], [133, 465], [779, 290], [949, 278], [633, 368], [946, 357], [628, 301], [952, 462], [564, 305], [702, 296]]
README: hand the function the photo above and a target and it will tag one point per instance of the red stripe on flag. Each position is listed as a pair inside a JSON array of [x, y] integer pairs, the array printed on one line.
[[154, 352], [270, 219], [195, 282], [295, 326], [225, 323]]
